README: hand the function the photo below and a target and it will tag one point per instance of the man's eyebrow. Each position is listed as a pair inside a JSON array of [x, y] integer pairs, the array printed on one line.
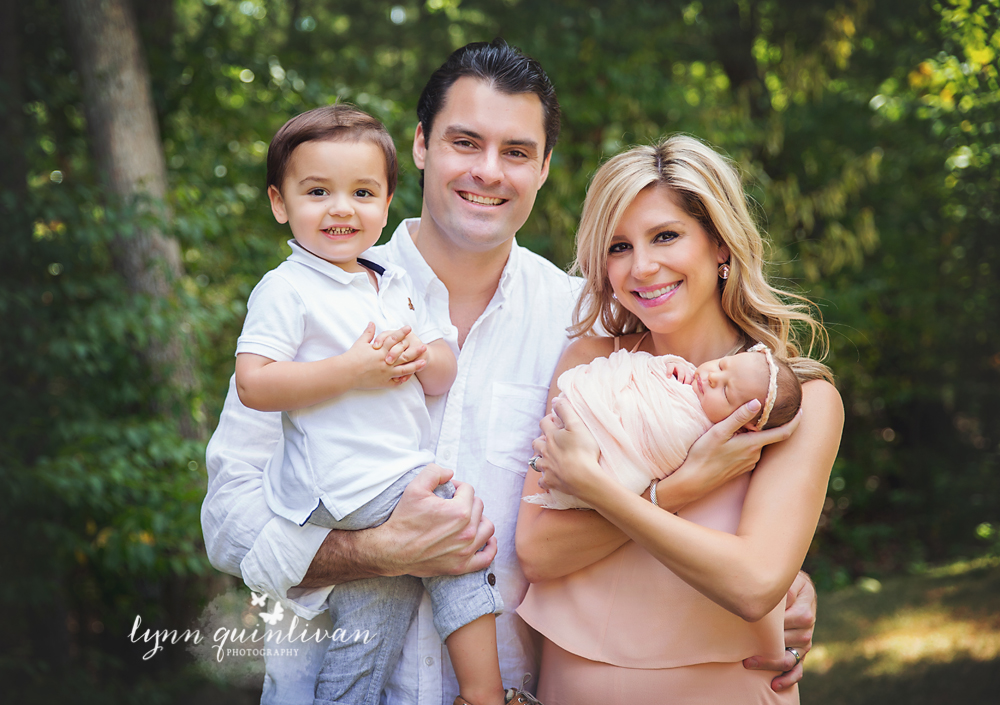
[[526, 143], [459, 130]]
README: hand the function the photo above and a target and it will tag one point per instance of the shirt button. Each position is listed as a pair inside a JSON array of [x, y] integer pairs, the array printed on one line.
[[429, 661], [447, 455], [491, 579]]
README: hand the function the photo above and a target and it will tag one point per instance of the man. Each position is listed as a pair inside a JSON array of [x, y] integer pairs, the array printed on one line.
[[489, 119]]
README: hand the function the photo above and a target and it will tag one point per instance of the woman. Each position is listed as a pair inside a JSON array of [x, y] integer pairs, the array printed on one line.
[[633, 600]]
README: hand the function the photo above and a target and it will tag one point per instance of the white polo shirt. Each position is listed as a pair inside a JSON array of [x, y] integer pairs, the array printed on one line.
[[483, 427], [347, 450]]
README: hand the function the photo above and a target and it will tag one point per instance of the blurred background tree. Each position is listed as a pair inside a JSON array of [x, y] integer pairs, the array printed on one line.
[[867, 132]]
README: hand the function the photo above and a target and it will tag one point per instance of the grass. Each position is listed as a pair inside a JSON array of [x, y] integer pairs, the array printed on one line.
[[920, 640]]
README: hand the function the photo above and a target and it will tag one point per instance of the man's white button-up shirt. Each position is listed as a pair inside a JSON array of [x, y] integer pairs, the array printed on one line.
[[483, 429]]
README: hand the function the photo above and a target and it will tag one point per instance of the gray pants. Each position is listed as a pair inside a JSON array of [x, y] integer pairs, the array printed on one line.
[[371, 617]]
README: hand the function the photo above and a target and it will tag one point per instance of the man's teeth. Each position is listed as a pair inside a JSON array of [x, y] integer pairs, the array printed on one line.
[[656, 292], [340, 231], [482, 200]]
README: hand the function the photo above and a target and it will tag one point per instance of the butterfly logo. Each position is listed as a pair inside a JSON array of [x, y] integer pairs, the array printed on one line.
[[276, 614], [258, 600]]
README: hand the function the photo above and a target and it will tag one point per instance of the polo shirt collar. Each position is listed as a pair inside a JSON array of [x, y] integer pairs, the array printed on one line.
[[307, 258]]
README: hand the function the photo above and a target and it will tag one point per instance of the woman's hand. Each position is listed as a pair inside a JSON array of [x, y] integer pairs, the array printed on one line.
[[569, 454], [722, 453]]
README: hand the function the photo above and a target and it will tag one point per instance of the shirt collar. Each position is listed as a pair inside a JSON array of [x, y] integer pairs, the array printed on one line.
[[304, 256], [510, 270], [402, 250]]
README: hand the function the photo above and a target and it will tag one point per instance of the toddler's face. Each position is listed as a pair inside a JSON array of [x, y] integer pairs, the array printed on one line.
[[335, 198], [726, 384]]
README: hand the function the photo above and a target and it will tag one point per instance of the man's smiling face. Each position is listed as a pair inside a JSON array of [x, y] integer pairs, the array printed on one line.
[[483, 165]]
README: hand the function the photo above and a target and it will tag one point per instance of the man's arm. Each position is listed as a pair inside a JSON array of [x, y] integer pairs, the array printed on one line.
[[426, 535]]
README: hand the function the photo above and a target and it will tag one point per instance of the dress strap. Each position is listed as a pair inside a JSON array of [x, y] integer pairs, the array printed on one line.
[[636, 346]]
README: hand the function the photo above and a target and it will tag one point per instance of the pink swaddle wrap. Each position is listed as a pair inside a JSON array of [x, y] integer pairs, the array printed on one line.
[[643, 419]]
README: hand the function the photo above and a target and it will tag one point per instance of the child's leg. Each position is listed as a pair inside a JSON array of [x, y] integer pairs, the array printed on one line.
[[473, 651], [370, 619], [465, 609]]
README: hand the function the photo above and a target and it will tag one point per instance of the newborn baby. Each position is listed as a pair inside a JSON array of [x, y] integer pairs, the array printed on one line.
[[646, 411]]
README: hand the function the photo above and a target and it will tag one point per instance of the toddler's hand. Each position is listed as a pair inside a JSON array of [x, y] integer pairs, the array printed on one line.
[[403, 346], [377, 369]]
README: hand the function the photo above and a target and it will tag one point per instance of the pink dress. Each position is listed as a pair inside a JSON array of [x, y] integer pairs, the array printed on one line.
[[627, 630]]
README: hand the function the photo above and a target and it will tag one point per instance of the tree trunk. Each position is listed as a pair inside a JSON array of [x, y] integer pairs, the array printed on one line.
[[126, 145]]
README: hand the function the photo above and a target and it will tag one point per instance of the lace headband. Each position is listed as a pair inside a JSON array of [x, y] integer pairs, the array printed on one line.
[[772, 384]]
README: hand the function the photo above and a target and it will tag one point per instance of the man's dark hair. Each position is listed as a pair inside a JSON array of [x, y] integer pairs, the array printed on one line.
[[341, 122], [505, 69]]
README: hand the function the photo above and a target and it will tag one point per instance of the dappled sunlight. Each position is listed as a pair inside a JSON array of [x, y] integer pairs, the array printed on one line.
[[935, 625], [903, 640], [926, 636]]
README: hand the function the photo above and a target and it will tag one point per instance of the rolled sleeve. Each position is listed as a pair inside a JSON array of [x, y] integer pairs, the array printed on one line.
[[278, 561], [243, 536]]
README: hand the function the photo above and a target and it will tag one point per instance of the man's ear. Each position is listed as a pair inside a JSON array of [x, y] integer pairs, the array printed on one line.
[[545, 169], [419, 146], [277, 204]]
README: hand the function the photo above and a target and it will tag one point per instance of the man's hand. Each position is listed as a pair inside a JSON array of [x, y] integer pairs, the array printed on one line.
[[425, 535], [800, 619]]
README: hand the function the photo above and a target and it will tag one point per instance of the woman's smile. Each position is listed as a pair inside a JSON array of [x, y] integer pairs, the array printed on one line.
[[650, 296]]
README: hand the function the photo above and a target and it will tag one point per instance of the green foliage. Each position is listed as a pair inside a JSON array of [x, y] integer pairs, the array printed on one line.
[[868, 133]]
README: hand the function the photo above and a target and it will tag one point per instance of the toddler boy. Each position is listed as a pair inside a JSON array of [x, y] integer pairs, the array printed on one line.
[[334, 340]]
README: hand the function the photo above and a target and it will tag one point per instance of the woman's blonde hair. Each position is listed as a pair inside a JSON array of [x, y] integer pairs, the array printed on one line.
[[708, 187]]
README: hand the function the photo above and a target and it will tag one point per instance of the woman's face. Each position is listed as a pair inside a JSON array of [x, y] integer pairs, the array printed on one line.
[[663, 266]]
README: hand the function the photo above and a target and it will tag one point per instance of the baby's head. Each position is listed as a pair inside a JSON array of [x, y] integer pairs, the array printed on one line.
[[331, 174], [728, 383]]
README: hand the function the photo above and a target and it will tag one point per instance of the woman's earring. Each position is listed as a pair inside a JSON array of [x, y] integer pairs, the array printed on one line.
[[724, 271], [614, 296]]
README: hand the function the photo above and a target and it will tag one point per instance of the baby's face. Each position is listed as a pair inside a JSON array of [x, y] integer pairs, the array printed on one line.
[[726, 384]]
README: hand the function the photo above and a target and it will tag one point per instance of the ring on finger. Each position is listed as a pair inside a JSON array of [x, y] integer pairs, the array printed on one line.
[[531, 463], [794, 652]]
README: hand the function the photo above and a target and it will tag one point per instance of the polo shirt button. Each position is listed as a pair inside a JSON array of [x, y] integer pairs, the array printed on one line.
[[429, 661], [491, 579]]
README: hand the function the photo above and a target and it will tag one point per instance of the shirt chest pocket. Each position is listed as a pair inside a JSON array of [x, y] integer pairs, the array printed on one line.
[[515, 411]]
